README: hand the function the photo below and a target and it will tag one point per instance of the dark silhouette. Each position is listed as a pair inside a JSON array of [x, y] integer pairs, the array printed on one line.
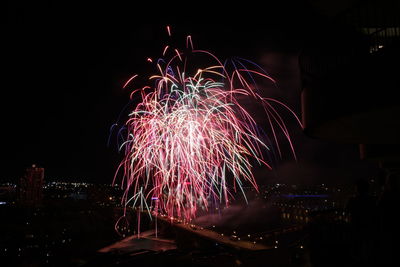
[[362, 210], [389, 221], [361, 206]]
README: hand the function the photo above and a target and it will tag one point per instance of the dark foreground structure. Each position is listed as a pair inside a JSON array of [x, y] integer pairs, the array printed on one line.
[[350, 81]]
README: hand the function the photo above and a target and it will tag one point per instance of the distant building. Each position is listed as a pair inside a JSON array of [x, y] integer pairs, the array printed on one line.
[[30, 188]]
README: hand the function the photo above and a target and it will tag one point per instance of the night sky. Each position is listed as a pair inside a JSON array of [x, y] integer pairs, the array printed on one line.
[[66, 63]]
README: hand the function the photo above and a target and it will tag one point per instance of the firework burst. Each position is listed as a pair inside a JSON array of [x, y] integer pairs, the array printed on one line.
[[189, 140]]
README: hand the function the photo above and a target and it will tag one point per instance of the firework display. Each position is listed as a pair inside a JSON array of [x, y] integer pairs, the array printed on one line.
[[190, 141]]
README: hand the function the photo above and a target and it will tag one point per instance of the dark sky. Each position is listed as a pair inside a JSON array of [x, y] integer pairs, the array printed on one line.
[[66, 64]]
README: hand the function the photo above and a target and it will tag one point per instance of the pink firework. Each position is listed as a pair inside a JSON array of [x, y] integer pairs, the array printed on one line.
[[190, 141]]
